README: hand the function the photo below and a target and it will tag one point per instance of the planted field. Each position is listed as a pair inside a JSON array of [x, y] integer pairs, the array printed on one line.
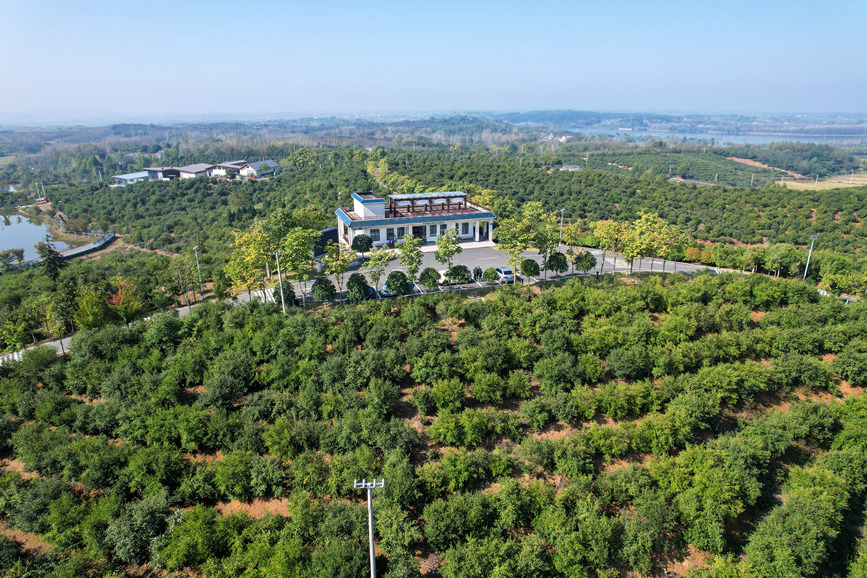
[[597, 429], [859, 179]]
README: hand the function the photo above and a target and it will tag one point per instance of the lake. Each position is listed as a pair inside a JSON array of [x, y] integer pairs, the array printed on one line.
[[756, 139], [19, 232]]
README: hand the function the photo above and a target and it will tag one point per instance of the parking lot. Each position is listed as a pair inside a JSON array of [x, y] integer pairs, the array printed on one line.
[[486, 255]]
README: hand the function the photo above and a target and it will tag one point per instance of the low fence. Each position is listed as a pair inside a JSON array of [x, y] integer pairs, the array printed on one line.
[[76, 252]]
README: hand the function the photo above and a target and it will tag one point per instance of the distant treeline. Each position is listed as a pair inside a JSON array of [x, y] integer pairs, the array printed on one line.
[[805, 158]]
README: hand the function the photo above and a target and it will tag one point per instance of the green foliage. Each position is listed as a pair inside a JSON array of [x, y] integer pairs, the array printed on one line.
[[323, 289], [397, 283], [356, 287], [313, 400], [429, 278]]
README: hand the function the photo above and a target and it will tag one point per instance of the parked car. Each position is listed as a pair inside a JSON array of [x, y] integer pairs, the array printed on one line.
[[505, 275]]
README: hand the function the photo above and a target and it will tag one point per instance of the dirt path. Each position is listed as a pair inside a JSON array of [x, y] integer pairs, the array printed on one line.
[[30, 543], [763, 166], [255, 509]]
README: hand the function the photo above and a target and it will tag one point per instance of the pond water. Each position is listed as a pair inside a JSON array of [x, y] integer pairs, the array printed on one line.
[[20, 232]]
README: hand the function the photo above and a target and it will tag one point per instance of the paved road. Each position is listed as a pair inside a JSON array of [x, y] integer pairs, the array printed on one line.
[[483, 255]]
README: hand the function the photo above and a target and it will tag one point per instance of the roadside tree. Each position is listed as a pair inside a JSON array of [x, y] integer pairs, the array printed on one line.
[[339, 258], [429, 279], [376, 264], [448, 245], [583, 260], [397, 283], [323, 289], [411, 257], [362, 244], [529, 268], [298, 253]]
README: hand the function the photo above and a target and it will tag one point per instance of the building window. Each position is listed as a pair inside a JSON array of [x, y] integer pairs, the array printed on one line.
[[465, 228], [374, 235], [345, 229], [389, 234], [401, 231], [433, 230], [443, 229]]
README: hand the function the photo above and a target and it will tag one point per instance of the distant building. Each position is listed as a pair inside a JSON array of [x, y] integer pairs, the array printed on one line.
[[162, 173], [195, 171], [254, 170], [570, 168], [221, 169], [259, 169], [423, 215], [129, 178]]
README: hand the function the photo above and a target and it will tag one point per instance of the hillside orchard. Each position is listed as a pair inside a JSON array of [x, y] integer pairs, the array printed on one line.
[[592, 429]]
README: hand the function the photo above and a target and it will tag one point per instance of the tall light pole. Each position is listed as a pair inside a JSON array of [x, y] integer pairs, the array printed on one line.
[[199, 269], [810, 254], [560, 240], [365, 485], [280, 278]]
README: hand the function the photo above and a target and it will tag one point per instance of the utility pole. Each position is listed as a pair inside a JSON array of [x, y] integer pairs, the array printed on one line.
[[365, 485], [560, 241], [280, 279], [201, 287], [810, 254]]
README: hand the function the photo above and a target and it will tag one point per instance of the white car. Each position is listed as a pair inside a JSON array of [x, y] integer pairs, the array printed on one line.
[[505, 275]]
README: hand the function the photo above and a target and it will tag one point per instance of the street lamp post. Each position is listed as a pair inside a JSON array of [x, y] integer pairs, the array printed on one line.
[[199, 269], [810, 254], [280, 278], [365, 485], [560, 240]]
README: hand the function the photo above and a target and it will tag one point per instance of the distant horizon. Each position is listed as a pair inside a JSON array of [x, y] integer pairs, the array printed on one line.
[[47, 119], [180, 60]]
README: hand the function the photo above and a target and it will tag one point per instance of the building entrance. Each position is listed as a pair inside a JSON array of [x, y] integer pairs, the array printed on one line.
[[418, 231]]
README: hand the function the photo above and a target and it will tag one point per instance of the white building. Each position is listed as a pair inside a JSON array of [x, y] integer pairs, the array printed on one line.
[[259, 169], [130, 178], [195, 171], [424, 215], [219, 170]]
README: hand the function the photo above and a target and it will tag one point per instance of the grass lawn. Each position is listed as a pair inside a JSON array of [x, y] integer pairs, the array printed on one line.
[[835, 182]]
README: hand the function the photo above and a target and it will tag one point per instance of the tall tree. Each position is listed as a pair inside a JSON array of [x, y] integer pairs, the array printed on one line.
[[126, 302], [514, 237], [298, 254], [246, 267], [411, 257], [362, 244], [337, 261], [609, 235], [52, 263], [582, 260], [448, 245], [376, 264]]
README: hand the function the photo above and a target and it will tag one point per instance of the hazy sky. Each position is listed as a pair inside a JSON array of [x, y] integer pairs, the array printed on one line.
[[158, 58]]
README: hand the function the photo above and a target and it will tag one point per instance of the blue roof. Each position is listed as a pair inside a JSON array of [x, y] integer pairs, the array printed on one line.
[[399, 222], [130, 176], [268, 163], [404, 197], [343, 217], [367, 198]]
